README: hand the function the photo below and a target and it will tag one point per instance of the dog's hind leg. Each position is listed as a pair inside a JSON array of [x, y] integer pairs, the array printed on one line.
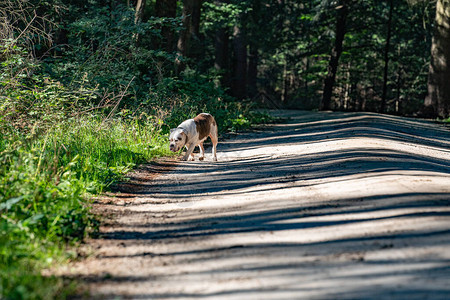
[[202, 151], [214, 150], [214, 135]]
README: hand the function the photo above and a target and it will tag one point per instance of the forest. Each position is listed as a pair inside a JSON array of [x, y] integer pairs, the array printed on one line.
[[89, 89]]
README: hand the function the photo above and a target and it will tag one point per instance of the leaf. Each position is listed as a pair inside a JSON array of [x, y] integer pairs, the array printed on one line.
[[10, 202]]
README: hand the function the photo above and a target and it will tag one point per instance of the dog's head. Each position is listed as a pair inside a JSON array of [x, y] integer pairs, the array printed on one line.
[[177, 139]]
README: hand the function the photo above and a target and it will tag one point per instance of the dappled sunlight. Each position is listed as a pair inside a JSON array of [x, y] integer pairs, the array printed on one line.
[[388, 128], [299, 210]]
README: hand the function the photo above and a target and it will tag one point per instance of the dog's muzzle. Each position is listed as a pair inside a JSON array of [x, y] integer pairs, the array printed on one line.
[[173, 148]]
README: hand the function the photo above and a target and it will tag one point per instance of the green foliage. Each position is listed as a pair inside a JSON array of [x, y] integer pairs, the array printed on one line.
[[445, 121], [45, 183], [24, 281], [294, 41], [49, 169], [178, 99], [223, 14], [108, 52]]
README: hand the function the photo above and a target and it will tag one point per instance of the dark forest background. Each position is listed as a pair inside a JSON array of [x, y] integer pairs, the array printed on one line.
[[340, 55]]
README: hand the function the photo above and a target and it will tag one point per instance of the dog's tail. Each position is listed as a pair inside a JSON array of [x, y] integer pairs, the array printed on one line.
[[214, 127]]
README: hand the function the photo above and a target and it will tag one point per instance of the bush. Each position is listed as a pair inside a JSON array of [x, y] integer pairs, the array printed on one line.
[[45, 185], [178, 99], [55, 152]]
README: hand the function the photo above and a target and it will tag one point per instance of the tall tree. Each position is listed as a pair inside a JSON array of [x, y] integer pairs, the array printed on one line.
[[166, 9], [341, 20], [252, 71], [221, 46], [191, 25], [185, 35], [196, 14], [239, 82], [139, 12], [255, 33], [139, 16], [386, 56], [437, 102]]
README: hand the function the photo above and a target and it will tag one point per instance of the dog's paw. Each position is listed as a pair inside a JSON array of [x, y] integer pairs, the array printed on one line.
[[183, 159], [201, 158]]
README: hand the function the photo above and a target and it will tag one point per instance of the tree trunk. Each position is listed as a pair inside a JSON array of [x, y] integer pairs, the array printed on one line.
[[185, 35], [437, 103], [342, 12], [196, 47], [138, 16], [191, 25], [196, 14], [398, 102], [221, 55], [386, 57], [347, 89], [305, 76], [284, 83], [221, 49], [240, 64], [252, 70], [166, 9], [139, 13]]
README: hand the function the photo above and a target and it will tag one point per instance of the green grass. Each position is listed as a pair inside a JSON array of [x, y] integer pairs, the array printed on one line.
[[46, 180]]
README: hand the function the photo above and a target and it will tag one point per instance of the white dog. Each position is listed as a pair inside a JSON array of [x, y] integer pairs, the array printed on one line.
[[192, 133]]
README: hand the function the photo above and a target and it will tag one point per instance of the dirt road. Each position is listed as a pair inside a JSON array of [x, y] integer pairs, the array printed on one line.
[[325, 206]]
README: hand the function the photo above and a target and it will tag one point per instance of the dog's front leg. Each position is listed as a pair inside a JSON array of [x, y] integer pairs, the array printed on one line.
[[188, 152]]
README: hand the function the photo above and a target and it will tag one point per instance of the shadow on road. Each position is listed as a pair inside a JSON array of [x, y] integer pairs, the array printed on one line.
[[295, 217]]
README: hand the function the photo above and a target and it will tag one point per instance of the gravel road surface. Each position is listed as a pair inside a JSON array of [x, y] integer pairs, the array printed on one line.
[[323, 206]]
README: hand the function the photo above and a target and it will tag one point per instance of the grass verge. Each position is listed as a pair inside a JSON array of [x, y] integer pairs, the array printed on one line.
[[46, 180]]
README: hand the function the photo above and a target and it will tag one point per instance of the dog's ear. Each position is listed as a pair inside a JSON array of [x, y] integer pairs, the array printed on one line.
[[183, 132], [172, 130]]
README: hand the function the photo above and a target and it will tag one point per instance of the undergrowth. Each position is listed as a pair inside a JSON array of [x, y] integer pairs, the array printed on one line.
[[46, 182]]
